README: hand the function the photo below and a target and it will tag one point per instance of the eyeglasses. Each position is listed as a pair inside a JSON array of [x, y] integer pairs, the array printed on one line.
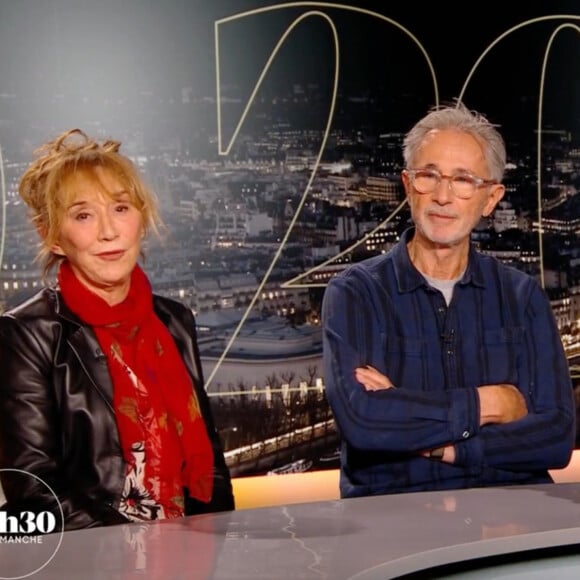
[[463, 185]]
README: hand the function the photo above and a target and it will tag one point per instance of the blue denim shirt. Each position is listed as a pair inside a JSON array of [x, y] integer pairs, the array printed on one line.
[[498, 328]]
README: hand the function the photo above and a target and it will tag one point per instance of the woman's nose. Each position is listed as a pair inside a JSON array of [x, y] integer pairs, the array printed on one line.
[[107, 229]]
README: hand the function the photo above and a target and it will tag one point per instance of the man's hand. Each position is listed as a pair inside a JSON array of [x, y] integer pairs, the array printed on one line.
[[500, 404], [371, 379], [444, 454]]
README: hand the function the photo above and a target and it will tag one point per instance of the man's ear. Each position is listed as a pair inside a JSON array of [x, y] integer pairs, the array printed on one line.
[[495, 195], [406, 182]]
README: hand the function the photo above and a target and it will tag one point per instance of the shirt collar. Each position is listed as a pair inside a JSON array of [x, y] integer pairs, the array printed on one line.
[[409, 278]]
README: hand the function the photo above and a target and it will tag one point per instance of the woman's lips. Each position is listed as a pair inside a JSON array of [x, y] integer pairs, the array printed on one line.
[[111, 256]]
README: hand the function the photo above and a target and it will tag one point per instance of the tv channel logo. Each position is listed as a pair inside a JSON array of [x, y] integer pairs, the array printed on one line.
[[29, 540]]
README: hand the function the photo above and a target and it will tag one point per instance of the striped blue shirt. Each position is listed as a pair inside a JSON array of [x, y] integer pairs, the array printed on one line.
[[498, 328]]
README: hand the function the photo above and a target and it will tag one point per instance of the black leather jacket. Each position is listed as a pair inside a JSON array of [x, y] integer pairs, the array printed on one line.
[[56, 415]]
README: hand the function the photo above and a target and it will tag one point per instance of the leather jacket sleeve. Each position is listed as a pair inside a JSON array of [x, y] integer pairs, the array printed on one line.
[[30, 439]]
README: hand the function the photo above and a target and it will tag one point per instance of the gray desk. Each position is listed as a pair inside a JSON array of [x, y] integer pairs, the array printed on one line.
[[362, 539]]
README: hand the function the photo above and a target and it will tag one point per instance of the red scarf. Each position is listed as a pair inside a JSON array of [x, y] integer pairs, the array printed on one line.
[[153, 395]]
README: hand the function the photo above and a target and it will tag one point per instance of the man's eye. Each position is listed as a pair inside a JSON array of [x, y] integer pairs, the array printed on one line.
[[467, 179]]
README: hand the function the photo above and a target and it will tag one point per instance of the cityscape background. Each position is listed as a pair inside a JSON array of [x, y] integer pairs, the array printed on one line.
[[271, 133]]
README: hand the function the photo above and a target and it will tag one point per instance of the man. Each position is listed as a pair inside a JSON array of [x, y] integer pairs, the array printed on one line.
[[444, 368]]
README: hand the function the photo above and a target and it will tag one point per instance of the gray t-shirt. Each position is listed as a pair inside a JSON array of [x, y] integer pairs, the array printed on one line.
[[444, 286]]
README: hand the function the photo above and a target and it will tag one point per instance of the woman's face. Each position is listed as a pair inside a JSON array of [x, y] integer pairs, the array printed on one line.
[[100, 235]]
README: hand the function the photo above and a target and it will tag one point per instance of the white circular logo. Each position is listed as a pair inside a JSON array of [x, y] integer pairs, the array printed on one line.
[[27, 539]]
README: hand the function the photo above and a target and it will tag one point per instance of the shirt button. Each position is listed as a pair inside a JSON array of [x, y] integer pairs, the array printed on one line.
[[441, 310], [450, 352], [465, 434]]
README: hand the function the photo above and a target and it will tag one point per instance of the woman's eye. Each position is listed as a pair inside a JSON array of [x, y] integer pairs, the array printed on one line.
[[81, 216]]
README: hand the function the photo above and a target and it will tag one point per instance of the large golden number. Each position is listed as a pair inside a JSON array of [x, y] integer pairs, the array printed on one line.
[[225, 150]]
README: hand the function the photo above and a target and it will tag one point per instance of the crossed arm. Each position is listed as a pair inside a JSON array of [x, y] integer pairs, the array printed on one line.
[[497, 404]]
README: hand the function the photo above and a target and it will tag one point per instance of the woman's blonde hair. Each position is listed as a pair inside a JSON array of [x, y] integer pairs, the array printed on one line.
[[48, 185]]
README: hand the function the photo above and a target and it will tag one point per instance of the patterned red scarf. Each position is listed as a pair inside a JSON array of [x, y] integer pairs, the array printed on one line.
[[154, 399]]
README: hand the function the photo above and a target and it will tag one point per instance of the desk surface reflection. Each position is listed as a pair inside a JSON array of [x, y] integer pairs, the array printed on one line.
[[365, 538]]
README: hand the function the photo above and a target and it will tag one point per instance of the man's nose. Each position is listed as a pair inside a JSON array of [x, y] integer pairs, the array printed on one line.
[[443, 193]]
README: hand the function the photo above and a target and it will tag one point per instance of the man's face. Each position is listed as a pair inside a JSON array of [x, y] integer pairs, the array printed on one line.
[[440, 216]]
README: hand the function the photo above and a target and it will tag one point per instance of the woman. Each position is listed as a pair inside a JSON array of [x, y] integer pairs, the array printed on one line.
[[102, 398]]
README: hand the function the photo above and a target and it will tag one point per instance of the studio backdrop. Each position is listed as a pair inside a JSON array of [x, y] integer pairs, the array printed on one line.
[[271, 134]]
